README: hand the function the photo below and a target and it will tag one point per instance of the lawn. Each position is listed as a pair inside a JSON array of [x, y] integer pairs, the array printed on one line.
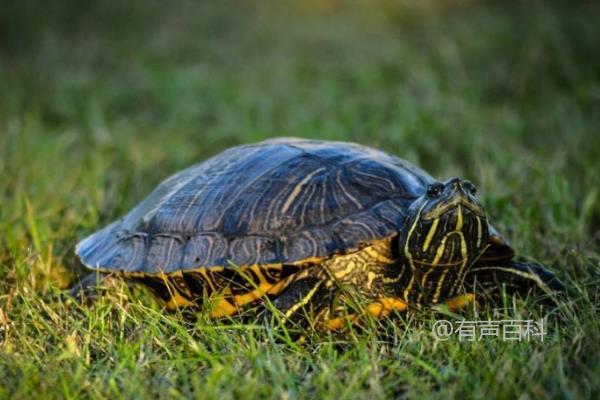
[[100, 102]]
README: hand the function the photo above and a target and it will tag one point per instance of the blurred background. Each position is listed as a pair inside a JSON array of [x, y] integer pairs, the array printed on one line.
[[100, 100]]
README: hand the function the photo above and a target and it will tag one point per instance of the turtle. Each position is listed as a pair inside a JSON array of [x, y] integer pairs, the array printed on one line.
[[297, 223]]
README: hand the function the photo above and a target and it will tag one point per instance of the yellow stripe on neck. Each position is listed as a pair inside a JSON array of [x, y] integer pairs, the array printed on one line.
[[430, 234]]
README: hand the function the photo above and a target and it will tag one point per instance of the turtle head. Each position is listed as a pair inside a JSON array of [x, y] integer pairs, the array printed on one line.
[[445, 231]]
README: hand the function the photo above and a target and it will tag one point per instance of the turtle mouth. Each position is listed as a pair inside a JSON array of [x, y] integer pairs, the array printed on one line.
[[452, 205]]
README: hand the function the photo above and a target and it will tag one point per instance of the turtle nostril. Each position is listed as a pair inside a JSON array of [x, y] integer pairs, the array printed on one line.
[[455, 184]]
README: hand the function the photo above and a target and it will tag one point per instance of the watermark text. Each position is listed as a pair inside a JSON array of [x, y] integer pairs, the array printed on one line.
[[518, 330]]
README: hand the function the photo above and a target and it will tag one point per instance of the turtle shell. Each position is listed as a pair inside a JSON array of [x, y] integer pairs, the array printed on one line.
[[279, 201]]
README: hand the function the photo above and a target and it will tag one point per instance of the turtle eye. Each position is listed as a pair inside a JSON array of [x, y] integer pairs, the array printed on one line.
[[434, 189], [469, 187]]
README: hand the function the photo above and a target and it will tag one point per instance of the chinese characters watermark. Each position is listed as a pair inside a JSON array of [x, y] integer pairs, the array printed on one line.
[[506, 330]]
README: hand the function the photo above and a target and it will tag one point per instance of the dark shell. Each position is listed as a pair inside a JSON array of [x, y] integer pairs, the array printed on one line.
[[279, 201]]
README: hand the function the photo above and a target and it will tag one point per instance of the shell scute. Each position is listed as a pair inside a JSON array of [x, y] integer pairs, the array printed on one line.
[[204, 249]]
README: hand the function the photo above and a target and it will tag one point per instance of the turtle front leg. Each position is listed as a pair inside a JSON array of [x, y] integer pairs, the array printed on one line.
[[305, 299], [380, 308], [310, 299], [513, 277], [460, 302]]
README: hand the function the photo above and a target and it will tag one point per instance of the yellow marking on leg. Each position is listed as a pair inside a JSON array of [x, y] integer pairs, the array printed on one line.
[[335, 324], [347, 267], [353, 268], [370, 278], [249, 297], [209, 280], [177, 301], [430, 234], [304, 300], [393, 280], [222, 308], [384, 260], [460, 302], [510, 270], [377, 309], [523, 274], [385, 305], [375, 252], [258, 271], [260, 291]]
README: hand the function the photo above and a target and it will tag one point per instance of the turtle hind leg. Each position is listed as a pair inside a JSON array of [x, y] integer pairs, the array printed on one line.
[[89, 289], [512, 277]]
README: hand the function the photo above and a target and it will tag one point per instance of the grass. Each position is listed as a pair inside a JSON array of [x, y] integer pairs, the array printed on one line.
[[101, 102]]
